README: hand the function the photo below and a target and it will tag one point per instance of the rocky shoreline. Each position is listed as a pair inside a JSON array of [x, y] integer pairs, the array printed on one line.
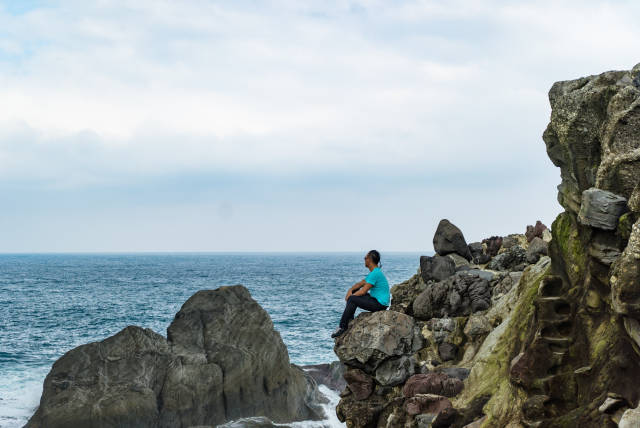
[[534, 330], [539, 329]]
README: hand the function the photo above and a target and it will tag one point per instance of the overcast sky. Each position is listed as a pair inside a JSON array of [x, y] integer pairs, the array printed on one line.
[[285, 125]]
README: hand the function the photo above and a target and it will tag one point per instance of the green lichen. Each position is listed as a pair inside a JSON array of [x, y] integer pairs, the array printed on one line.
[[625, 224], [566, 238], [490, 373]]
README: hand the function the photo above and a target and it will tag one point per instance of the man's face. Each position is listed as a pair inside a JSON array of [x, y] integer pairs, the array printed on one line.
[[367, 261]]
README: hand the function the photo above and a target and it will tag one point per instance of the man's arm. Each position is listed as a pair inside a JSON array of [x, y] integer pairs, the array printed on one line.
[[354, 287], [363, 290]]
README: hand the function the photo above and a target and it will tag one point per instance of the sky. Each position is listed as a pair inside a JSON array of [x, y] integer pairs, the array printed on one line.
[[286, 125]]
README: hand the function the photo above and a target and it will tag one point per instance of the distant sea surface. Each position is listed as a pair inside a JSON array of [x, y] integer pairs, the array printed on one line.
[[50, 304]]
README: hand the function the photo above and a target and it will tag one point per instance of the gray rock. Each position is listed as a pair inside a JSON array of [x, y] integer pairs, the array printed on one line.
[[457, 295], [630, 418], [477, 325], [436, 268], [330, 375], [223, 360], [601, 209], [447, 351], [478, 252], [458, 260], [375, 337], [456, 372], [449, 239], [506, 283], [441, 328], [604, 247], [537, 248], [395, 371], [508, 260], [404, 294], [483, 274]]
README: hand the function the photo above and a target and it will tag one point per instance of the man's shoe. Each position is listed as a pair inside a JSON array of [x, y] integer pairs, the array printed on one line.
[[339, 332]]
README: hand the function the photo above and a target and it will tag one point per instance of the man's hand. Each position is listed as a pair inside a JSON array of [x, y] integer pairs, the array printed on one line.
[[349, 293]]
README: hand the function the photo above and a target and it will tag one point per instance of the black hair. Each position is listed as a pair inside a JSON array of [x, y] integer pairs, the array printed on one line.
[[374, 255]]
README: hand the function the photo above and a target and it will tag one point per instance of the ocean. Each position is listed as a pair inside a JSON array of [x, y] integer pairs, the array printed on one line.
[[51, 303]]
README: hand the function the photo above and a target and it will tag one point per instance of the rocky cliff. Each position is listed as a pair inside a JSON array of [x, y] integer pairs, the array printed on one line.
[[222, 360], [533, 330]]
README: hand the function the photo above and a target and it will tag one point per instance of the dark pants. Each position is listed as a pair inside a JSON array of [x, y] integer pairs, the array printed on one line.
[[366, 302]]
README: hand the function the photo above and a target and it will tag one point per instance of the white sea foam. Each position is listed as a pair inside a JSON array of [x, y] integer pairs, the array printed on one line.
[[329, 409], [19, 397]]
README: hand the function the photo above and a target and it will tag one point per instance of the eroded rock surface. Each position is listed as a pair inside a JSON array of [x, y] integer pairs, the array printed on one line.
[[223, 360]]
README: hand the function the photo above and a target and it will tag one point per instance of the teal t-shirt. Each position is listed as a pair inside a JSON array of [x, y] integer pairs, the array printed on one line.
[[380, 289]]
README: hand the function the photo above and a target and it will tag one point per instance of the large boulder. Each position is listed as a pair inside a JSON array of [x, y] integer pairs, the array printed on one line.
[[537, 248], [461, 294], [223, 360], [601, 209], [375, 337], [449, 239]]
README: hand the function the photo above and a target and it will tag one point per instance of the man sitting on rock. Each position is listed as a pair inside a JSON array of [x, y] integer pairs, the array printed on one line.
[[371, 294]]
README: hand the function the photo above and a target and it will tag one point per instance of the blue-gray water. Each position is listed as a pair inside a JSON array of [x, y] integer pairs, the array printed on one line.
[[52, 303]]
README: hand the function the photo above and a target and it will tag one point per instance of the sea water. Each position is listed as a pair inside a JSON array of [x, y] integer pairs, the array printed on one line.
[[50, 304]]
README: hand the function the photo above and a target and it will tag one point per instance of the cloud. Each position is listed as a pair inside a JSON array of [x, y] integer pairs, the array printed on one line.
[[122, 94]]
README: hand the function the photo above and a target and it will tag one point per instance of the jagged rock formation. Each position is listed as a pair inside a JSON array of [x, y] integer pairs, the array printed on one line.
[[559, 345], [222, 360], [407, 366]]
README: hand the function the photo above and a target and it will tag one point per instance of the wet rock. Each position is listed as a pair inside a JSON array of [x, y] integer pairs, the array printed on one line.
[[449, 239], [426, 403], [395, 371], [375, 337], [461, 294], [509, 259], [536, 231], [537, 248], [601, 209], [436, 268], [432, 383], [359, 383], [222, 360]]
